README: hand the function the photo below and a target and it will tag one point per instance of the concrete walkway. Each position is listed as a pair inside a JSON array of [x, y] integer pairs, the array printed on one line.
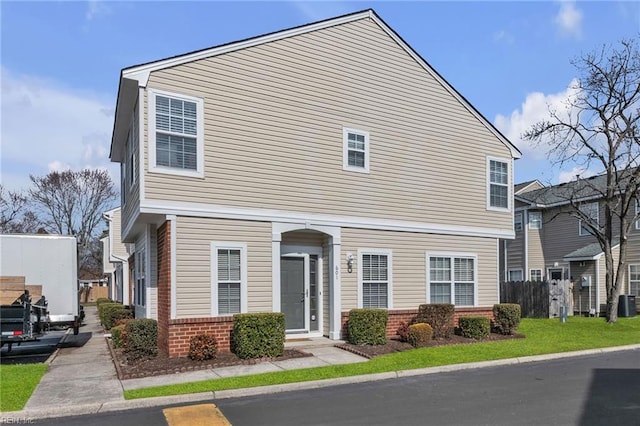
[[82, 379]]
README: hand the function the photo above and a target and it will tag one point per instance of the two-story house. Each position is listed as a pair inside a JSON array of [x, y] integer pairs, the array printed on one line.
[[551, 244], [307, 171]]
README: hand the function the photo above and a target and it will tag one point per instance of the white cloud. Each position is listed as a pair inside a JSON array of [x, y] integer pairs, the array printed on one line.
[[569, 20], [48, 127], [503, 36], [96, 8], [582, 172], [535, 108]]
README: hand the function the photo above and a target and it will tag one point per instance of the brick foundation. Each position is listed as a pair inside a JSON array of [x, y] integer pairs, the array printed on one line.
[[180, 332], [397, 316]]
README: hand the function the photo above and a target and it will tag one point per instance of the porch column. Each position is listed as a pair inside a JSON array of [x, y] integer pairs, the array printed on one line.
[[335, 317], [276, 238]]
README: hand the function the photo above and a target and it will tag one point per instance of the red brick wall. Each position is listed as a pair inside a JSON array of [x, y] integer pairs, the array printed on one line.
[[164, 285], [180, 332], [397, 316]]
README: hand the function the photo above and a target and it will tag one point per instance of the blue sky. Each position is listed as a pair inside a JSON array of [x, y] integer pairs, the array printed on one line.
[[60, 62]]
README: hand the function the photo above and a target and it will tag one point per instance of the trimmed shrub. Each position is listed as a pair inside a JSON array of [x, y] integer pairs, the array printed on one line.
[[105, 307], [118, 334], [123, 321], [506, 317], [101, 300], [403, 331], [203, 347], [419, 334], [474, 327], [368, 326], [142, 338], [258, 335], [439, 316], [114, 312]]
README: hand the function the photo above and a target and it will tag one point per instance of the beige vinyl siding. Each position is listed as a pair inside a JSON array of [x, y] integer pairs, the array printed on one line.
[[193, 262], [534, 251], [515, 253], [118, 248], [409, 267], [132, 202], [274, 115]]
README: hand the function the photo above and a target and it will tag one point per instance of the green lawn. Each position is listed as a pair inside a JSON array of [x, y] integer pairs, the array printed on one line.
[[17, 383], [543, 336]]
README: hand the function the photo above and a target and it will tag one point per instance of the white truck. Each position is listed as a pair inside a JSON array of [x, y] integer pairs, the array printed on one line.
[[49, 261]]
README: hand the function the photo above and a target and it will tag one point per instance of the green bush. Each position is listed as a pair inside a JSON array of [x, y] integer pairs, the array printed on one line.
[[142, 338], [118, 335], [474, 327], [258, 335], [111, 313], [105, 307], [101, 300], [419, 334], [203, 347], [506, 317], [439, 316], [367, 326]]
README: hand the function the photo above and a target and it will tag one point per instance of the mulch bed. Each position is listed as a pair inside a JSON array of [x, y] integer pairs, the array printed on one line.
[[163, 365]]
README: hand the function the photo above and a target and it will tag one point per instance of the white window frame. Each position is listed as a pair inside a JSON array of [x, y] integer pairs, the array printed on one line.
[[637, 282], [531, 274], [508, 185], [452, 257], [583, 231], [516, 222], [345, 150], [224, 245], [140, 267], [637, 211], [515, 270], [376, 251], [535, 224], [153, 167]]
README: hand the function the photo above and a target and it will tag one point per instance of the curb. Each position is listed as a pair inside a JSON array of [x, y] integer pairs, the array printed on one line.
[[123, 405]]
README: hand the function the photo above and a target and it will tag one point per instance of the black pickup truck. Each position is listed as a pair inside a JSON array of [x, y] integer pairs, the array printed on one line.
[[23, 320]]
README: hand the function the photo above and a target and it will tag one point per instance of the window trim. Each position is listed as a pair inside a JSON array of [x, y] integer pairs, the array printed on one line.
[[151, 115], [531, 273], [637, 224], [521, 222], [345, 150], [529, 222], [515, 270], [509, 185], [226, 245], [141, 283], [452, 256], [580, 228], [376, 251], [629, 279]]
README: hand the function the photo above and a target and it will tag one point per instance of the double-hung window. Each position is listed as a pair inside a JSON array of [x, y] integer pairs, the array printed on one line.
[[375, 274], [355, 150], [535, 220], [229, 278], [517, 221], [590, 210], [535, 274], [515, 275], [452, 279], [498, 178], [176, 137], [634, 279], [637, 213]]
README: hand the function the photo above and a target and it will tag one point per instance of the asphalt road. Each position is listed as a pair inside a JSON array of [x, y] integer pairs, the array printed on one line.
[[32, 352], [599, 389]]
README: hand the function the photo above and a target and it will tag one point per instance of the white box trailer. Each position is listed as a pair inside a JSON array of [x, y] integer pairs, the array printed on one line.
[[49, 261]]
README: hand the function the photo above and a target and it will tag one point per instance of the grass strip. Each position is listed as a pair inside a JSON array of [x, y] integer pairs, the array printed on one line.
[[543, 336], [17, 383]]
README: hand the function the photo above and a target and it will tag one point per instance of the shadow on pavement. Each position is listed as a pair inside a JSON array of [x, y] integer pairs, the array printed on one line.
[[613, 395], [72, 341]]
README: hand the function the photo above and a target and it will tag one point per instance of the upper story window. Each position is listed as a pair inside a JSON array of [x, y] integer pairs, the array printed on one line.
[[176, 134], [590, 210], [355, 145], [498, 178], [517, 221], [535, 220], [374, 282], [132, 145], [637, 212]]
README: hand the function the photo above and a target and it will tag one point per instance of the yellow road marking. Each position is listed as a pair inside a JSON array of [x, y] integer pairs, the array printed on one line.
[[195, 415]]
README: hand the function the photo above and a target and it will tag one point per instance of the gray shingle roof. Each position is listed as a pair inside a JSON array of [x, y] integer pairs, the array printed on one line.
[[562, 193], [588, 251]]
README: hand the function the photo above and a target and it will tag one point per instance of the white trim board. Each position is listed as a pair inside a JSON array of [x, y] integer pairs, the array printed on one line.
[[312, 220]]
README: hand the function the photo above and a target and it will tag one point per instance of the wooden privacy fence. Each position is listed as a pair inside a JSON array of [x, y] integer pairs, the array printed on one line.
[[538, 299]]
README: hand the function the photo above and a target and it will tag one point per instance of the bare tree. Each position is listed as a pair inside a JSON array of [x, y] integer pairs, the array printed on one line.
[[599, 128], [15, 214], [72, 203]]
